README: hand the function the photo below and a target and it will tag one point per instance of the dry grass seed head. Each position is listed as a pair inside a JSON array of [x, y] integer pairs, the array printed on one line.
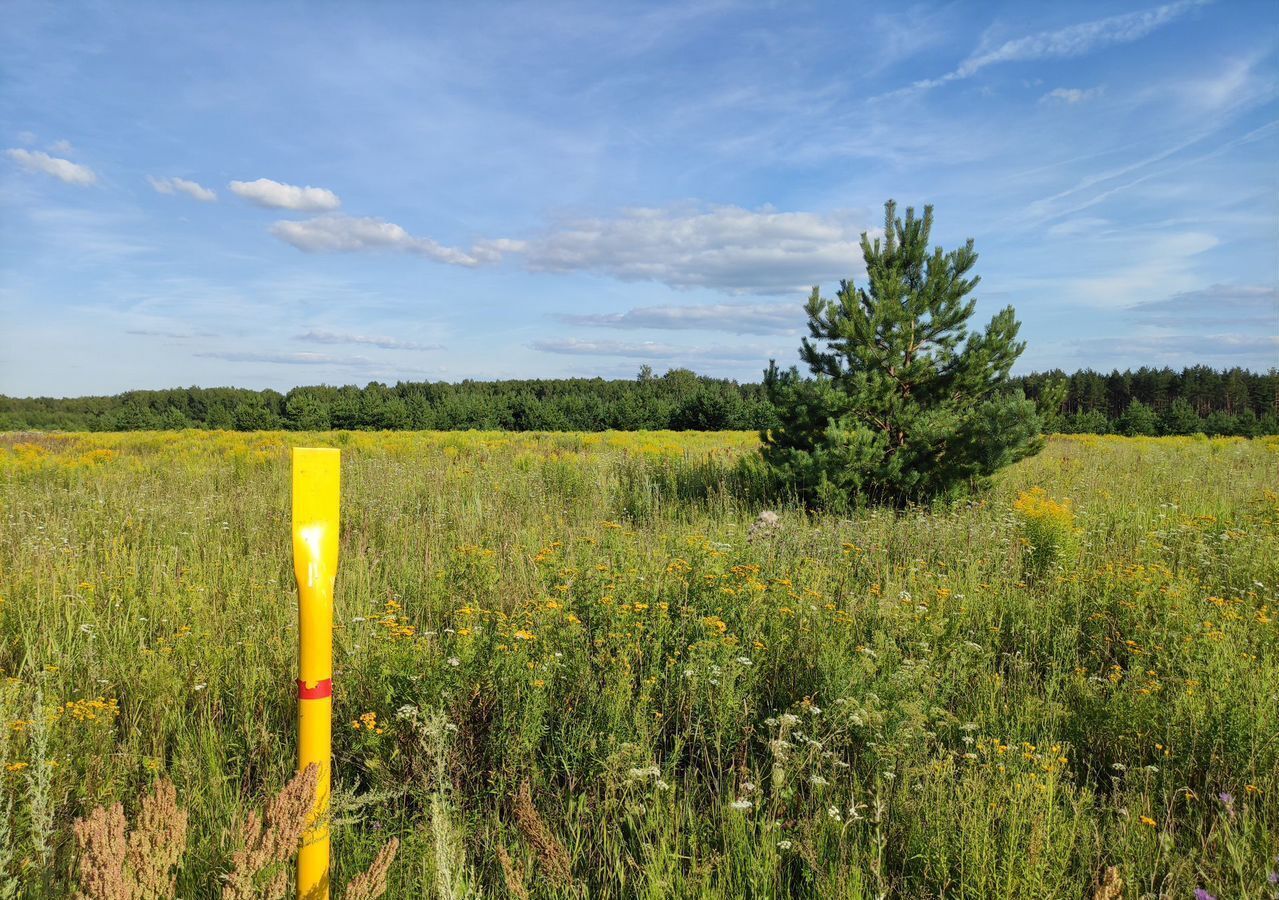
[[101, 836], [550, 852], [119, 863], [371, 883], [270, 839], [157, 842], [1111, 886], [513, 876]]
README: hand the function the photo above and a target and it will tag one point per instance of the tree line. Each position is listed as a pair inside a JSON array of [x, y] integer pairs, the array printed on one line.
[[1147, 401]]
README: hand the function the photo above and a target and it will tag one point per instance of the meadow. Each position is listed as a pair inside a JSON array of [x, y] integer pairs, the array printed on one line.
[[583, 665]]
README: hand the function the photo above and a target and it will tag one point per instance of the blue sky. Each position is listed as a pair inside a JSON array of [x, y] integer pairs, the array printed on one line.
[[266, 195]]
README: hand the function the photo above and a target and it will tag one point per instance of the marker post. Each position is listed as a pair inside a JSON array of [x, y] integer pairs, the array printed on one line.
[[316, 491]]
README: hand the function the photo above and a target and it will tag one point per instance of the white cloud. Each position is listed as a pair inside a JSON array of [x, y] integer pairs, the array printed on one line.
[[348, 234], [62, 146], [726, 248], [290, 359], [26, 137], [645, 350], [1240, 305], [386, 343], [736, 318], [1071, 41], [183, 186], [1255, 351], [1070, 96], [61, 169], [274, 195], [1151, 266]]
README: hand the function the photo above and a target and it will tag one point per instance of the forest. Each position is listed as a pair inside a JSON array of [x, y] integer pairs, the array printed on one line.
[[1147, 401]]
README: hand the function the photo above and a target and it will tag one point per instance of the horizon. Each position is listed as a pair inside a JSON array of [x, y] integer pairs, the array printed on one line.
[[1259, 373], [401, 194]]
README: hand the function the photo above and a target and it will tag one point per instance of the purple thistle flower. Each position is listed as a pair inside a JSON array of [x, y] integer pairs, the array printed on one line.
[[1273, 877], [1201, 894]]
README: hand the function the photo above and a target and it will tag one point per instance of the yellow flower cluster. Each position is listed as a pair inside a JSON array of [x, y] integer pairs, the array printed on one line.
[[90, 709], [1036, 505]]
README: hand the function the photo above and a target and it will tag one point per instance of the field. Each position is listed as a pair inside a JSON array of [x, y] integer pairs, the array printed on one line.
[[572, 665]]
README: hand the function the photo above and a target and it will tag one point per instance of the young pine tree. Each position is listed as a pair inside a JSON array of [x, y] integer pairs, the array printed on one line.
[[906, 405]]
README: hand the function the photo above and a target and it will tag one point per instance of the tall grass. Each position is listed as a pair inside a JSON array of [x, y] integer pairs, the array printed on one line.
[[568, 666]]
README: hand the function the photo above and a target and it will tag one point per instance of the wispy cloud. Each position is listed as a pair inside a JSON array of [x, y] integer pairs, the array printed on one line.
[[62, 146], [288, 359], [726, 248], [1071, 96], [645, 350], [350, 234], [386, 343], [169, 333], [183, 186], [735, 318], [1228, 348], [276, 195], [1154, 262], [1238, 305], [1071, 41], [62, 169]]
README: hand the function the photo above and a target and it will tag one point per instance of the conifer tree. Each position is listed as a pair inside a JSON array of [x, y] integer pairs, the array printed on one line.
[[906, 405]]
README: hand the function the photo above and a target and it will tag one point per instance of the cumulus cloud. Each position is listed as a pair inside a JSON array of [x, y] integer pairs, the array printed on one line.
[[1070, 96], [349, 234], [274, 195], [61, 169], [724, 248], [736, 318], [386, 343], [645, 350], [183, 186], [1071, 41]]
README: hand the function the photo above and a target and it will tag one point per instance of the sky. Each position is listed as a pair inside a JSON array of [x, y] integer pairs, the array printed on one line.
[[275, 194]]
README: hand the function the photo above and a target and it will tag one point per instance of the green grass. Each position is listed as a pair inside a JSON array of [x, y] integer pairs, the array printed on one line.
[[995, 699]]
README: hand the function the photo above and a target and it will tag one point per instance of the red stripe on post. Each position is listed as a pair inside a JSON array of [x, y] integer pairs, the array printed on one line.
[[321, 690]]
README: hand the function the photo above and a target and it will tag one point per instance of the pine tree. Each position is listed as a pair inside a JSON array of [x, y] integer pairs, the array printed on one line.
[[906, 405]]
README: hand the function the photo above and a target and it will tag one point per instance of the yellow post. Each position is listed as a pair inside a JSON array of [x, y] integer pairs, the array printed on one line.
[[316, 483]]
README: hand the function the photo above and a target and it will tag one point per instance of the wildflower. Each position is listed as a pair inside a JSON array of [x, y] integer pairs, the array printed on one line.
[[833, 812], [15, 767], [1146, 820], [789, 719], [818, 781], [784, 845], [741, 805], [1252, 789], [744, 660], [524, 635], [454, 661], [1201, 894]]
